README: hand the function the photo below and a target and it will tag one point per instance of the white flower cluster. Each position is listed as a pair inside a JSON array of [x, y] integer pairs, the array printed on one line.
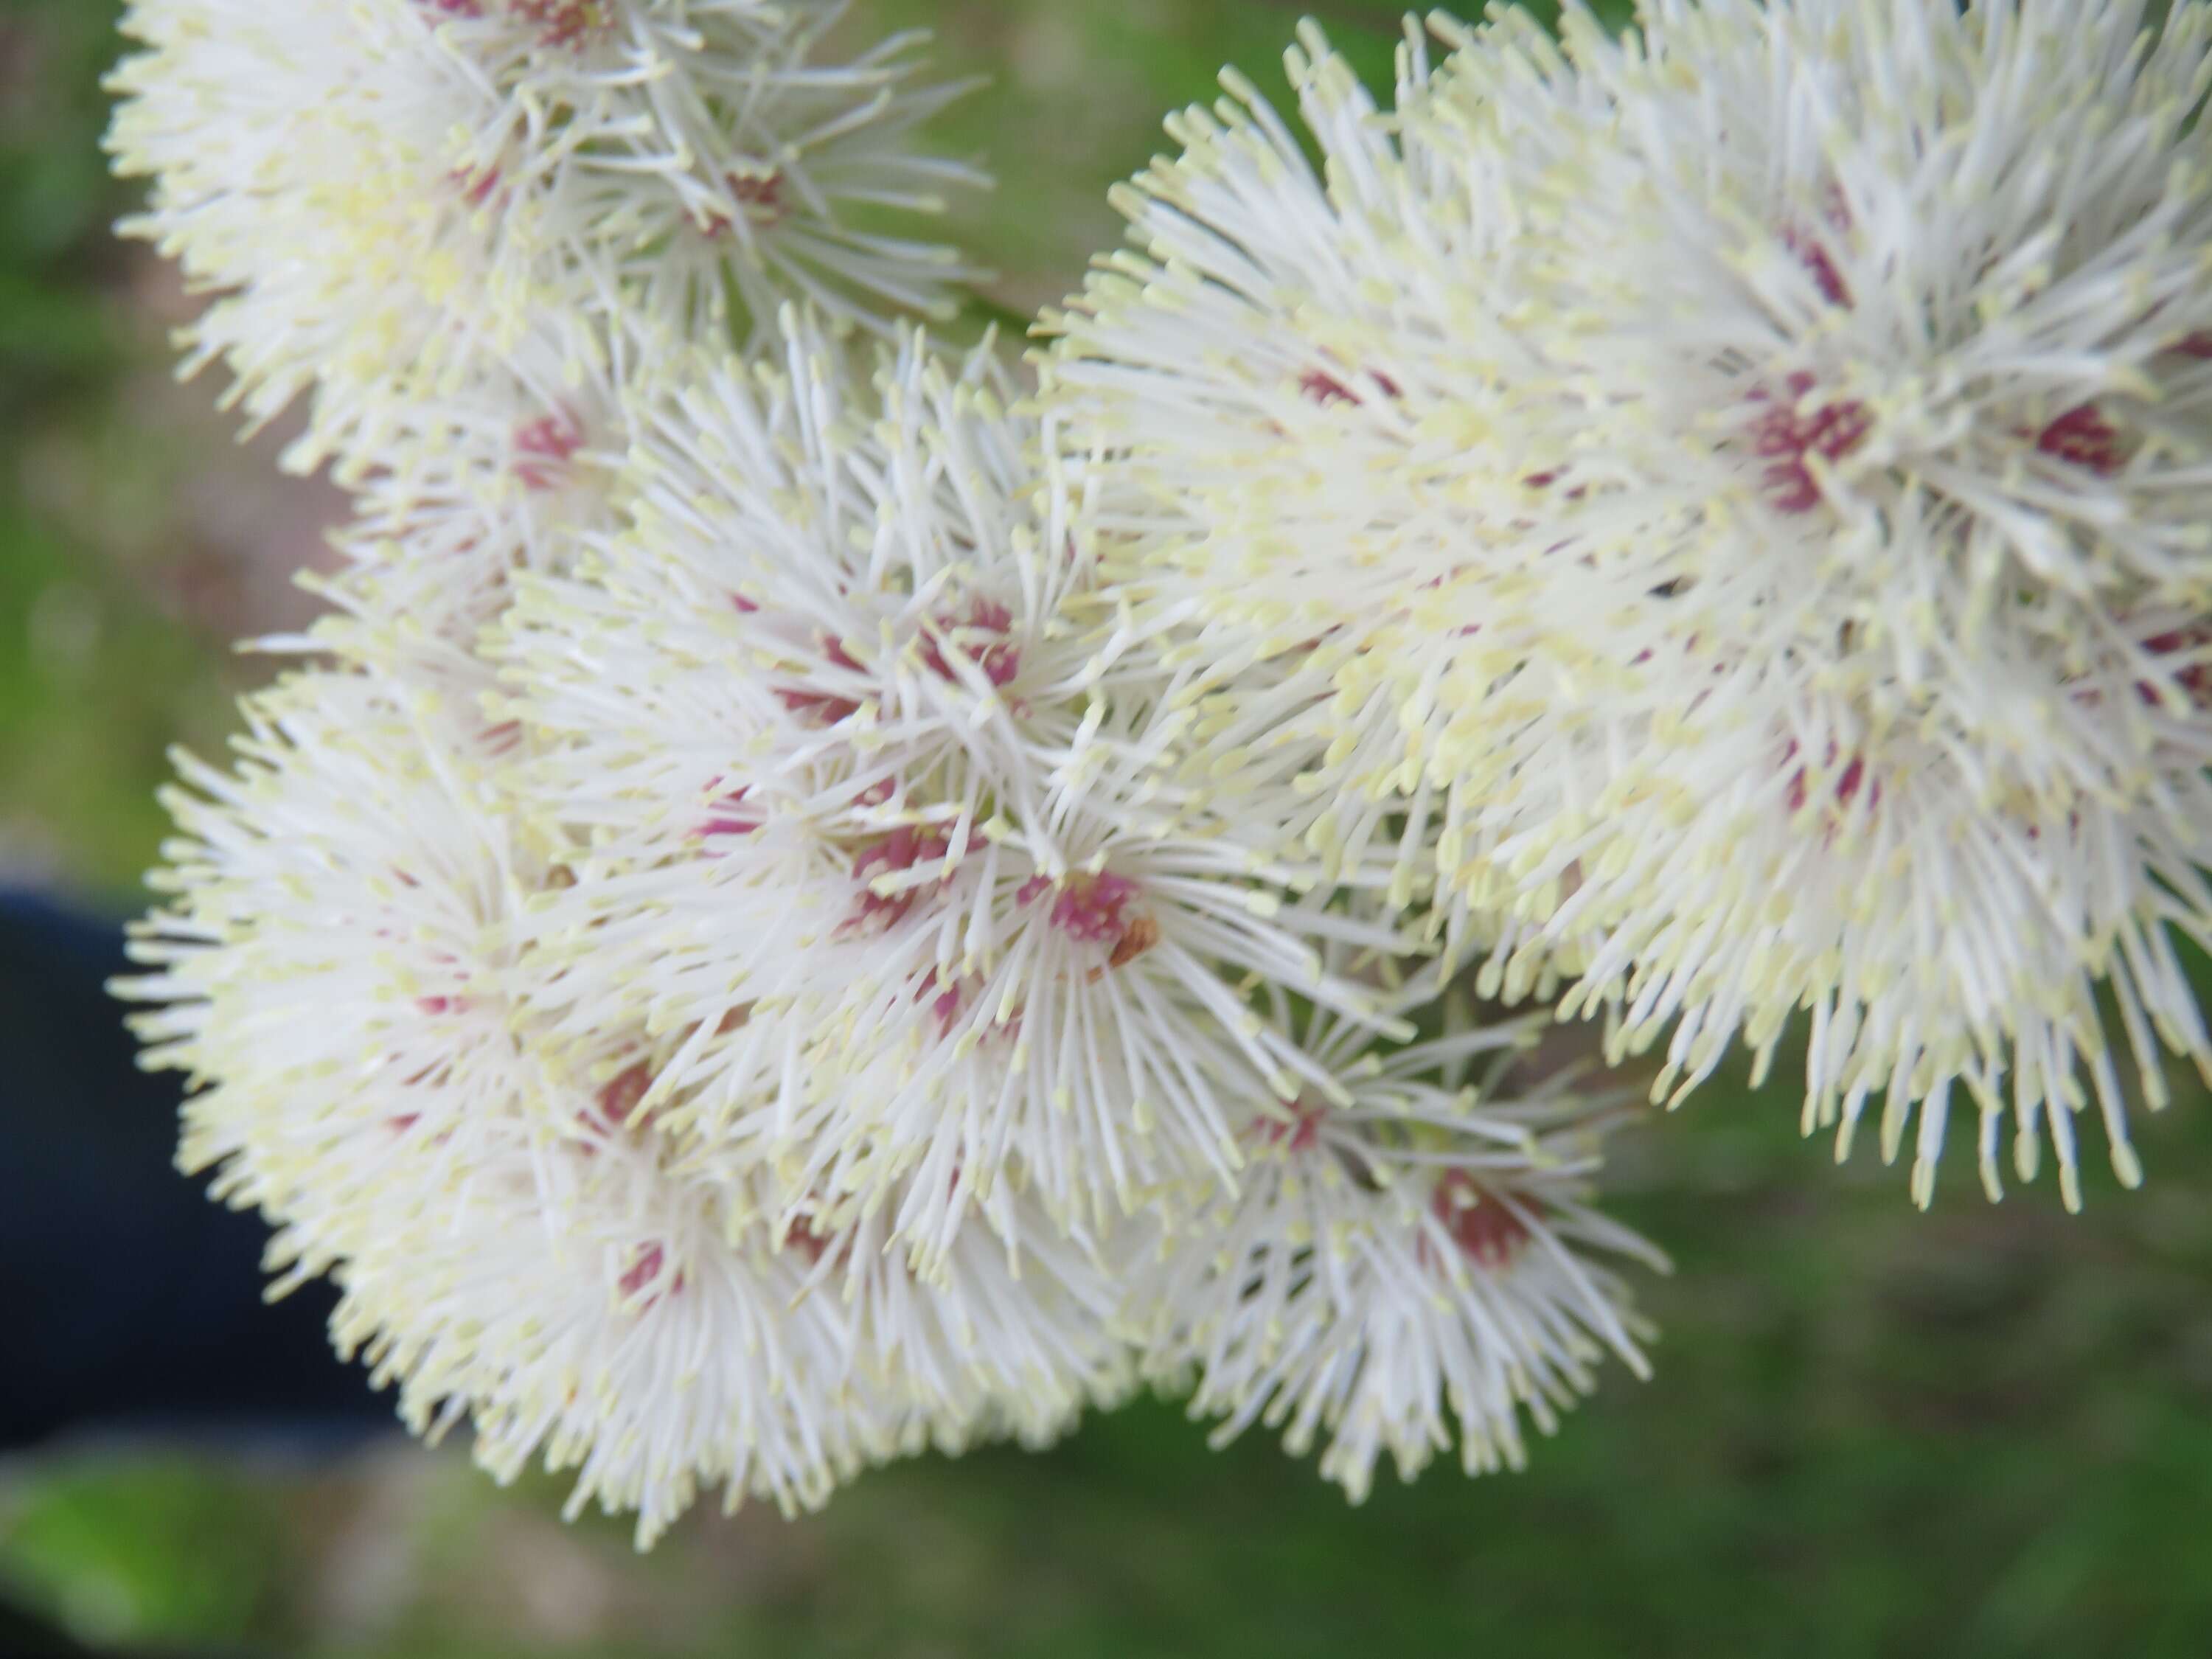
[[1729, 509], [395, 199], [822, 905], [752, 952]]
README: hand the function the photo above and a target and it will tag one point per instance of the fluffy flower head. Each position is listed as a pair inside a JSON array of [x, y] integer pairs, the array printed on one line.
[[386, 195]]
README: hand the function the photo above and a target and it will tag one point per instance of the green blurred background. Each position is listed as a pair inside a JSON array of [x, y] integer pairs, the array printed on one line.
[[1982, 1431]]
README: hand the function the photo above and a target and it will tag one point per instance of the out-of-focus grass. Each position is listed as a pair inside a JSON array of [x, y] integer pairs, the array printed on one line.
[[1076, 91], [1982, 1432], [121, 577], [62, 356], [156, 1542]]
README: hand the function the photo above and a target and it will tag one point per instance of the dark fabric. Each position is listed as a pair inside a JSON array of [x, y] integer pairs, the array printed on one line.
[[24, 1635], [127, 1299]]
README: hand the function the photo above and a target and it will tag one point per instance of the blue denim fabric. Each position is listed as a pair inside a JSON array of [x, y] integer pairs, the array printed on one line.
[[128, 1300]]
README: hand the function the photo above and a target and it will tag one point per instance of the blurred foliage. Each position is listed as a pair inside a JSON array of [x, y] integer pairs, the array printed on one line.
[[1981, 1434], [102, 663], [1984, 1432], [155, 1544]]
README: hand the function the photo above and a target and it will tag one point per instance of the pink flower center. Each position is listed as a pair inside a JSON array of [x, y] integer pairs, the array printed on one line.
[[452, 1002], [2083, 437], [825, 707], [764, 192], [949, 998], [1093, 910], [2194, 679], [1301, 1134], [729, 815], [1812, 250], [901, 850], [1086, 907], [647, 1268], [1854, 778], [760, 196], [615, 1104], [544, 447], [802, 1237], [1812, 254], [946, 998], [1788, 435], [1000, 659], [1325, 388], [477, 185], [558, 22], [1479, 1222]]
